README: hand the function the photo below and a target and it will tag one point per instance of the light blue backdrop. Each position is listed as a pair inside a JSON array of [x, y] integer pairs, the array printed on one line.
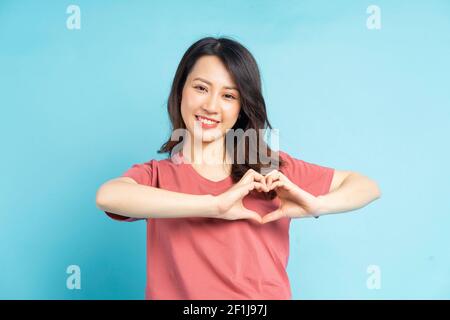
[[80, 107]]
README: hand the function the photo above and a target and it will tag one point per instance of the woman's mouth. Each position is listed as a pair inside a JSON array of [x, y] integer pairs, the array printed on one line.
[[207, 123]]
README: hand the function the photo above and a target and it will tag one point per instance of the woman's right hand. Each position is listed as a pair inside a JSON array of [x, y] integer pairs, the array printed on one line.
[[229, 203]]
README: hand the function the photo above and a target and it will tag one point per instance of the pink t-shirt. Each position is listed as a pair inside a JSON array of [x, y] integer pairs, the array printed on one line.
[[208, 258]]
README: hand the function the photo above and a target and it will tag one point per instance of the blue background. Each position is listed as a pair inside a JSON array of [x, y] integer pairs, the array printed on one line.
[[79, 107]]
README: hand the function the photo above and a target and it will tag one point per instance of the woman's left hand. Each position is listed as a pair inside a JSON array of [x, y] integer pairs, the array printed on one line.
[[294, 202]]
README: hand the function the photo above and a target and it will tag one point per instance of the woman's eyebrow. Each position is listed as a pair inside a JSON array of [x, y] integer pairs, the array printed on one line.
[[208, 82]]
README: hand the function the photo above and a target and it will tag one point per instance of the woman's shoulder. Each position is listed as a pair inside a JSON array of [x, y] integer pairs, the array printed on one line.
[[283, 154], [286, 158], [294, 164], [173, 161], [295, 160], [150, 171]]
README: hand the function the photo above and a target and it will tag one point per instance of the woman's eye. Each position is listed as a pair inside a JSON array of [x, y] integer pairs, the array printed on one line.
[[200, 88]]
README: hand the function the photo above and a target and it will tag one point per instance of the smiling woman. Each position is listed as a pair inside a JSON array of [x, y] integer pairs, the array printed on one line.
[[217, 227], [199, 91], [219, 80]]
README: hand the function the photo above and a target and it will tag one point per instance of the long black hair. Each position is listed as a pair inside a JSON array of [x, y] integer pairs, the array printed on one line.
[[244, 70]]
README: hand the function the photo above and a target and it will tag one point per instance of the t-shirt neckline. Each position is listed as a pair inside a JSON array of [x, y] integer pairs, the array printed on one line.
[[192, 169]]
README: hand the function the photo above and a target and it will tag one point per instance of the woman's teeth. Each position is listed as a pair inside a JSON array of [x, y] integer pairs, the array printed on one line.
[[206, 121]]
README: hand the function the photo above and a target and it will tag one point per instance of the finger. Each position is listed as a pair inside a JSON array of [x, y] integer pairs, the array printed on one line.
[[249, 173], [271, 176], [241, 190], [244, 189], [269, 181], [259, 178], [261, 187], [271, 172], [252, 215], [272, 216], [276, 175], [276, 184], [252, 175]]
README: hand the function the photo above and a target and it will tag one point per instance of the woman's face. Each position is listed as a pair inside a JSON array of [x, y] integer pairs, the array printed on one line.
[[209, 91]]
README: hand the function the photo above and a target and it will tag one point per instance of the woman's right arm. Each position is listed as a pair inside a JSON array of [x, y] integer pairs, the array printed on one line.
[[124, 196]]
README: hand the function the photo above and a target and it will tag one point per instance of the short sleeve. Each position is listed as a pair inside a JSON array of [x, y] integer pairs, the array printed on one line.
[[142, 173], [311, 177]]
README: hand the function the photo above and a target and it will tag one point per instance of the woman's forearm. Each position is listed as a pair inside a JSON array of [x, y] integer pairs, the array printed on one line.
[[140, 201], [355, 192]]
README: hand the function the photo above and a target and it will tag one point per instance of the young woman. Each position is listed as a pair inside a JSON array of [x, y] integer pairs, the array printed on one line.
[[218, 213]]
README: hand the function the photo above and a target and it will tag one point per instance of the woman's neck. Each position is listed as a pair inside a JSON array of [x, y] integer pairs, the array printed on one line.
[[205, 153]]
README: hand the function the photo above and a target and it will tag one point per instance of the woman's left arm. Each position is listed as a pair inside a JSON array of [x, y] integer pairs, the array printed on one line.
[[348, 191]]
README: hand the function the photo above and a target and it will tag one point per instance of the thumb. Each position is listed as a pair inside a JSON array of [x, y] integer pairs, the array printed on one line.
[[272, 216], [245, 188], [252, 215]]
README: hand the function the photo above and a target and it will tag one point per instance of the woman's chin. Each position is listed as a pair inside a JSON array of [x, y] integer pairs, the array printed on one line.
[[209, 139], [209, 136]]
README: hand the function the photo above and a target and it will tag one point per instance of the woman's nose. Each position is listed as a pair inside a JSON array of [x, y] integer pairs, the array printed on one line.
[[211, 105]]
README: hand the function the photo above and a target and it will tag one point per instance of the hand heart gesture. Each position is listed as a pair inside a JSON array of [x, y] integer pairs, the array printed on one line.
[[294, 202]]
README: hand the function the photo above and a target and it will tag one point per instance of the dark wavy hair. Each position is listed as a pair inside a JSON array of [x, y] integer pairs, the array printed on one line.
[[244, 70]]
